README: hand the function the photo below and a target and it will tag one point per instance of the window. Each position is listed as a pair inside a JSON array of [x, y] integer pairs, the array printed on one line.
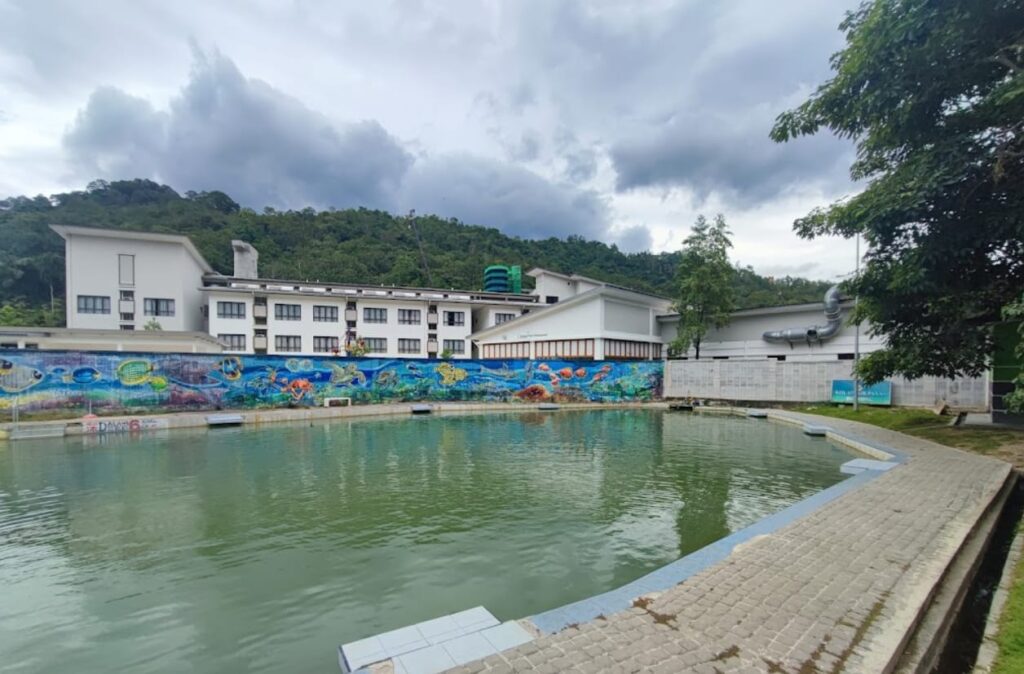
[[127, 295], [454, 345], [158, 307], [127, 327], [623, 349], [846, 356], [126, 270], [288, 312], [374, 315], [232, 342], [325, 314], [507, 350], [93, 304], [408, 316], [231, 310], [551, 299], [565, 348], [127, 316], [325, 344], [503, 318], [455, 318], [288, 342], [408, 346], [376, 344]]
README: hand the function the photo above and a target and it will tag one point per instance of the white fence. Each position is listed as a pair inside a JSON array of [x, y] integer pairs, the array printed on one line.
[[783, 381]]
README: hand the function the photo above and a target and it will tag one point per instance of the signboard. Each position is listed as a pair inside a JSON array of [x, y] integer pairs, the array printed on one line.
[[875, 394]]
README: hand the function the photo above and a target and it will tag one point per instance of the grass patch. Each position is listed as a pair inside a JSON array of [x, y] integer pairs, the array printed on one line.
[[1006, 443], [1011, 628]]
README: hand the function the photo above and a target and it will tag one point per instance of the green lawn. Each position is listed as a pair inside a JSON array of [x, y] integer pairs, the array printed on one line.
[[1011, 628], [1003, 443]]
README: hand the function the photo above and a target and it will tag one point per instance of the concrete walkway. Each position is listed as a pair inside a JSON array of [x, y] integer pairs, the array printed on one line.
[[837, 590]]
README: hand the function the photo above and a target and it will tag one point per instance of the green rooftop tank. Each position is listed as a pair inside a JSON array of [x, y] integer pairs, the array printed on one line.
[[500, 278]]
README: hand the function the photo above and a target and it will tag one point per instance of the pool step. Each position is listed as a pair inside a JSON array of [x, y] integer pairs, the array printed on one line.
[[224, 420], [434, 645], [421, 409]]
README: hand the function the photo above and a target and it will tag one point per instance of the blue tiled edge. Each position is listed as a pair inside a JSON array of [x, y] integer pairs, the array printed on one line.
[[676, 572]]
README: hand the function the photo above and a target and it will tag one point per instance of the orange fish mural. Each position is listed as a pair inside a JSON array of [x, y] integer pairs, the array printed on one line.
[[543, 367], [565, 373], [581, 373]]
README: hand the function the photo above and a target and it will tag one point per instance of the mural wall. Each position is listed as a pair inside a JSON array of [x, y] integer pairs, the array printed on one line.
[[98, 381]]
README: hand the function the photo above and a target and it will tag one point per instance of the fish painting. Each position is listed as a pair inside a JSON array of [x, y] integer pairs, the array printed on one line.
[[581, 373], [565, 373], [192, 374], [386, 378], [82, 375], [231, 368], [450, 374], [17, 378], [134, 372]]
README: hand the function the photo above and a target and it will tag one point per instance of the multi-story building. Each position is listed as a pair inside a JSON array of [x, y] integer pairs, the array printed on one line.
[[123, 280]]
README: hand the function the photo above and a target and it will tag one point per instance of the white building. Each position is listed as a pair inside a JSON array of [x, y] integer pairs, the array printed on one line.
[[120, 280], [582, 318], [123, 280]]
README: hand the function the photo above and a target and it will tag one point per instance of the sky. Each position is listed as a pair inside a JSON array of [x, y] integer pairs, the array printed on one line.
[[615, 120]]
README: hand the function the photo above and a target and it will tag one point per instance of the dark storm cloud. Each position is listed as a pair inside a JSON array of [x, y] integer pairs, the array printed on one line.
[[720, 154], [684, 94], [224, 131], [486, 192], [239, 135]]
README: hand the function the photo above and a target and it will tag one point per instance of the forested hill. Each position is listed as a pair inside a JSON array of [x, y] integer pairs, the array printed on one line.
[[352, 245]]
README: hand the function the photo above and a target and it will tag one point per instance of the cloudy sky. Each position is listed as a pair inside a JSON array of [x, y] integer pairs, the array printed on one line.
[[617, 120]]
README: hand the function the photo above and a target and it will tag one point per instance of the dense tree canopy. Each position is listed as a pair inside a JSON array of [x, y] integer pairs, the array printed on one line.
[[932, 91], [352, 245], [705, 295]]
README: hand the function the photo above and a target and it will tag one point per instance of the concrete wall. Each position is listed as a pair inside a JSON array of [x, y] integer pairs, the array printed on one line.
[[774, 381]]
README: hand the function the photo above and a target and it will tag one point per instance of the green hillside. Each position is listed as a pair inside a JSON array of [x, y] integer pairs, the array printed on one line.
[[351, 245]]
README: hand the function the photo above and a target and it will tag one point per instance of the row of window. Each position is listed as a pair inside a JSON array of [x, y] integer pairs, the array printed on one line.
[[332, 344], [100, 304], [329, 314]]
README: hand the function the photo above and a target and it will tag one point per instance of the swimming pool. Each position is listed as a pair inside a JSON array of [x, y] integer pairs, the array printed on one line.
[[261, 549]]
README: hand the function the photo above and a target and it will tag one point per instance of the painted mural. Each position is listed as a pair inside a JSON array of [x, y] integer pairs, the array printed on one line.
[[97, 381]]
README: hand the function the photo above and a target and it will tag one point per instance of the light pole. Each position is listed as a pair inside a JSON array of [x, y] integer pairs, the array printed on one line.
[[856, 337]]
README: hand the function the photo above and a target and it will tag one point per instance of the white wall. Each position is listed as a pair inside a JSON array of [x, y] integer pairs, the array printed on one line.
[[232, 326], [808, 382], [742, 338], [162, 270], [549, 285]]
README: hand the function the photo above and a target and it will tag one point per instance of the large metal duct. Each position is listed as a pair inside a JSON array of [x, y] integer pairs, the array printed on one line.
[[815, 333]]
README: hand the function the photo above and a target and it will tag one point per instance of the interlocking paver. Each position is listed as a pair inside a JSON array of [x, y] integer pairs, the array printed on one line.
[[831, 591]]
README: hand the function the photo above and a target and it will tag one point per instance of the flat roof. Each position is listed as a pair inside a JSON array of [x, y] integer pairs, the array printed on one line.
[[217, 283], [767, 311], [66, 231]]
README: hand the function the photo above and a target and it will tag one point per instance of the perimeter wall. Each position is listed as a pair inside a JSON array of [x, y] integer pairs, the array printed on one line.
[[118, 381], [808, 382]]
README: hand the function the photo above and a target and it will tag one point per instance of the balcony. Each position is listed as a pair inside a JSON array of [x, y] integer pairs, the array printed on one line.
[[259, 311], [259, 343], [126, 306], [350, 315]]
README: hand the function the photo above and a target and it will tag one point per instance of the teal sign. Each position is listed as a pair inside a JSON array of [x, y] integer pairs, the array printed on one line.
[[873, 394]]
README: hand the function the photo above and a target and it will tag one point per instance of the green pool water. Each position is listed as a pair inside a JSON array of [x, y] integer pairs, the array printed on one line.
[[263, 549]]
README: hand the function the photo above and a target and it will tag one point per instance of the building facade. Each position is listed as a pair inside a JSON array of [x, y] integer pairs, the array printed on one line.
[[124, 281]]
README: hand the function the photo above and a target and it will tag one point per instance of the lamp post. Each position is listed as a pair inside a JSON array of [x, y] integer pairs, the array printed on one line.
[[856, 337]]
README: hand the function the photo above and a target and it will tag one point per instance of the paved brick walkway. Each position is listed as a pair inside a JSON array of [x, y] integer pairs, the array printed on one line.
[[833, 591]]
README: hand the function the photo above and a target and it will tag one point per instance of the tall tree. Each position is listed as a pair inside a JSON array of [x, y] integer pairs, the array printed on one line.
[[705, 297], [932, 92]]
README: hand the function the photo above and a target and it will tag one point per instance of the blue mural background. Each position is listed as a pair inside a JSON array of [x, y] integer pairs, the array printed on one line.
[[115, 381]]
